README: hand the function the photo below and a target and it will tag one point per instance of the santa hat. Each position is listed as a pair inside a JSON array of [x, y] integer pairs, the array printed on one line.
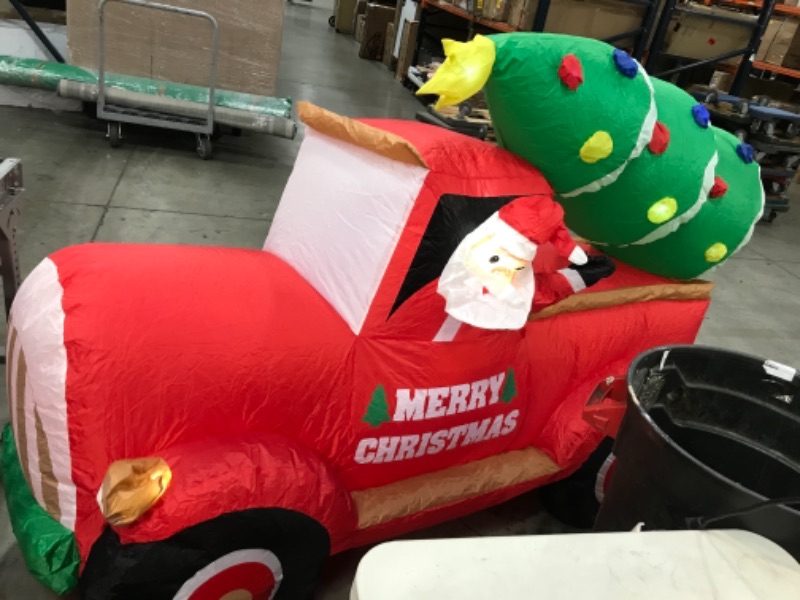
[[530, 221]]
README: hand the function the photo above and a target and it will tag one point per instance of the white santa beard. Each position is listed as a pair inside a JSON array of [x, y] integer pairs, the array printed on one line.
[[467, 302], [464, 291]]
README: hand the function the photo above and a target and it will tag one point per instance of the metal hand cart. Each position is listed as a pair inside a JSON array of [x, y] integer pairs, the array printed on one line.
[[110, 106]]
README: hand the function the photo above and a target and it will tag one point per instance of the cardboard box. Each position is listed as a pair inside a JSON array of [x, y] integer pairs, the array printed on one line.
[[407, 10], [468, 5], [145, 42], [376, 19], [388, 58], [496, 10], [597, 19], [770, 33], [692, 35], [55, 13], [407, 46], [721, 80], [344, 16], [791, 58], [777, 42], [359, 30], [359, 10]]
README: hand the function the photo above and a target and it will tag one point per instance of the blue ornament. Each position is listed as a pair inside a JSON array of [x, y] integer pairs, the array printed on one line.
[[701, 116], [745, 152], [625, 64]]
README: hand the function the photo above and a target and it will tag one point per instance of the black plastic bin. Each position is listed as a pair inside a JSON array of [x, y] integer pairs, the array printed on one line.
[[710, 439]]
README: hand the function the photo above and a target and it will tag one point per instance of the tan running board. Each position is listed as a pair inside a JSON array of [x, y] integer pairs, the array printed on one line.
[[389, 502]]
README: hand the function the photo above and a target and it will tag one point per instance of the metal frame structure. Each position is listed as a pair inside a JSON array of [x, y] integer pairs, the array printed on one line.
[[10, 194], [748, 52], [37, 31], [641, 35], [116, 114]]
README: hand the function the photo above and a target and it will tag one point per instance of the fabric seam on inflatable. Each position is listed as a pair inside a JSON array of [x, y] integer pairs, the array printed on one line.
[[675, 224], [386, 144]]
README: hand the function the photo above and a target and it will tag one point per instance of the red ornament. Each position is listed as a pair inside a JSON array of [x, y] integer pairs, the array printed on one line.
[[660, 140], [719, 188], [571, 72]]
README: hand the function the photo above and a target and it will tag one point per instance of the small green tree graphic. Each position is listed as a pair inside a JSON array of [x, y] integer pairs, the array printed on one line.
[[377, 410], [510, 388]]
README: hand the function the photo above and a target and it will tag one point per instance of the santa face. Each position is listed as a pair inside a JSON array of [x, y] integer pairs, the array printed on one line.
[[486, 285], [493, 265]]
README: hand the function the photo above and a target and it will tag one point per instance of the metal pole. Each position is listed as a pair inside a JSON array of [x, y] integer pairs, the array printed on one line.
[[423, 14], [700, 63], [23, 12], [660, 35], [540, 18], [647, 25], [635, 33], [743, 72], [10, 191]]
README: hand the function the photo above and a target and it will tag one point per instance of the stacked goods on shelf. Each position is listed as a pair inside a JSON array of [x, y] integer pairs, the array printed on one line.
[[700, 32], [496, 10], [377, 17], [142, 42], [589, 18], [778, 45]]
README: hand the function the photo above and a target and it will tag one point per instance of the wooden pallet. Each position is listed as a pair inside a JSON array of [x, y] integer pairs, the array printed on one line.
[[479, 116]]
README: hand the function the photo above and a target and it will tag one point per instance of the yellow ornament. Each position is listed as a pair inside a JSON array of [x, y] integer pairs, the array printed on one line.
[[716, 252], [662, 211], [597, 147], [464, 72]]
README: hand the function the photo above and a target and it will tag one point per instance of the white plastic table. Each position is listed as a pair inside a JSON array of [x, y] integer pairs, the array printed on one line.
[[663, 565]]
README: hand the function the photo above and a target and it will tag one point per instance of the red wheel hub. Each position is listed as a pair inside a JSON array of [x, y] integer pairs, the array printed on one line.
[[253, 574]]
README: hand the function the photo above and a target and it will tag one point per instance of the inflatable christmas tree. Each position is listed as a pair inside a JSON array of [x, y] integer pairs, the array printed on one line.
[[635, 162]]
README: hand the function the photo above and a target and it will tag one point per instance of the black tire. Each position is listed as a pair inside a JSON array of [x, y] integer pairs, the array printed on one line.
[[332, 21], [770, 216], [158, 570], [573, 500], [205, 147], [115, 135]]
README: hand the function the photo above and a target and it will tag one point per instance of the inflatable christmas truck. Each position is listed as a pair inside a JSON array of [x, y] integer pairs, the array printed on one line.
[[416, 341]]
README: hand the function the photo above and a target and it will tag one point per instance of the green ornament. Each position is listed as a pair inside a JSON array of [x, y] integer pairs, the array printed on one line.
[[378, 410]]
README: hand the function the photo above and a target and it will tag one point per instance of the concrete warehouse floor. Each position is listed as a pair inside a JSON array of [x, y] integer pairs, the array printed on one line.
[[155, 189]]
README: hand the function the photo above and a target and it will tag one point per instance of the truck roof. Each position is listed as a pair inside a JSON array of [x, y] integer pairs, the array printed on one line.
[[434, 148]]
